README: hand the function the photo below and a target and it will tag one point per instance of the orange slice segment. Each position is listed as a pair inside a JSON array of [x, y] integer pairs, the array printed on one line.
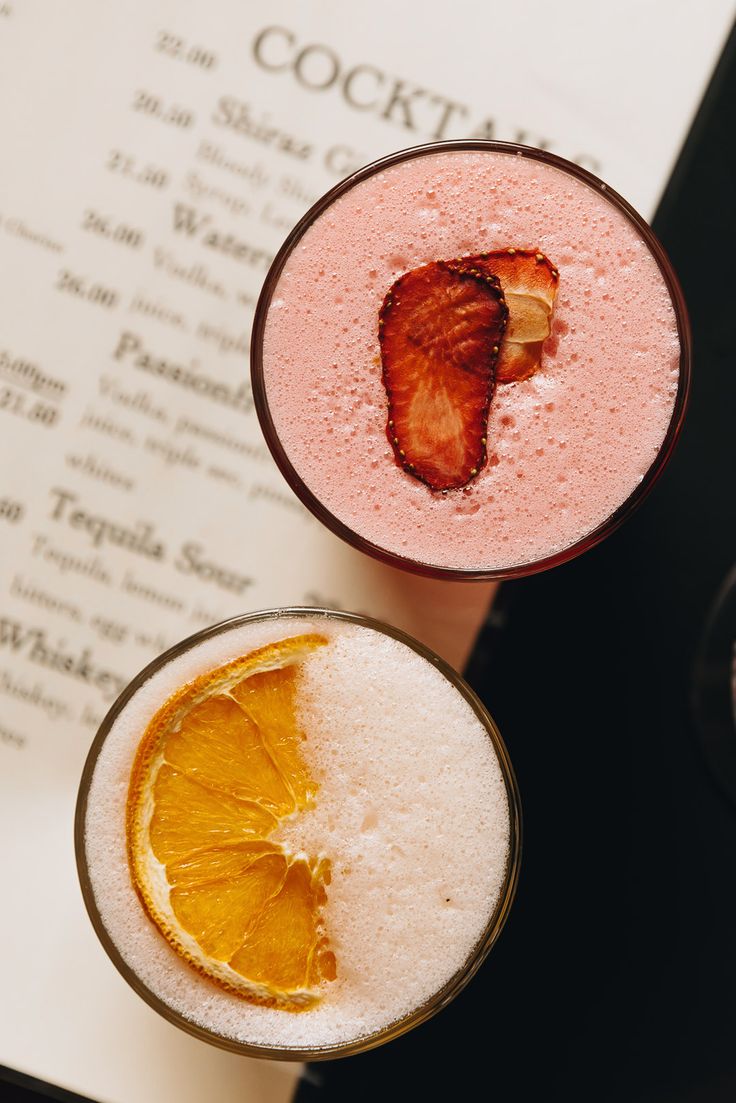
[[218, 767], [268, 700], [220, 914], [187, 816], [283, 940], [219, 745]]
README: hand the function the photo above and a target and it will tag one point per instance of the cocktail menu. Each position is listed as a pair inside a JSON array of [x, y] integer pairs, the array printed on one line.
[[155, 156]]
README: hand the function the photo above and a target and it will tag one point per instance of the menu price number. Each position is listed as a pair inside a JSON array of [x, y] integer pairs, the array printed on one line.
[[82, 288], [156, 108], [126, 165], [14, 401], [174, 46], [11, 511], [114, 231]]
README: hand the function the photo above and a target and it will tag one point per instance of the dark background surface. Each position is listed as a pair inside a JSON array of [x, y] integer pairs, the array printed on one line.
[[615, 977]]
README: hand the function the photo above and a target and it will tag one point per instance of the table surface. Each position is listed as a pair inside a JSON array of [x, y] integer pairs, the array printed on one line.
[[615, 976]]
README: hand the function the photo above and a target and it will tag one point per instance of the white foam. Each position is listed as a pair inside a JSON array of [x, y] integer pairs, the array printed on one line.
[[411, 809]]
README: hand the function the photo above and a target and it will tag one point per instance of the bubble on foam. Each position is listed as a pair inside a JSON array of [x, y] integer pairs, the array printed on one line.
[[411, 810], [595, 351]]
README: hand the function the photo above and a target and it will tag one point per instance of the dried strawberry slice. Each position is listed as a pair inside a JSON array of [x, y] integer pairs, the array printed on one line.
[[529, 282], [440, 330]]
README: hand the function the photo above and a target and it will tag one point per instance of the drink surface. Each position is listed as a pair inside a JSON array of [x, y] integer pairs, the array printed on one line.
[[565, 447], [410, 811]]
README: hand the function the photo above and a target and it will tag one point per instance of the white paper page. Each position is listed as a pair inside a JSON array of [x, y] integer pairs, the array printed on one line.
[[134, 507]]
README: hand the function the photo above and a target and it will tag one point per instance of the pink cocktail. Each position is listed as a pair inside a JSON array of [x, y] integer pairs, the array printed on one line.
[[565, 448]]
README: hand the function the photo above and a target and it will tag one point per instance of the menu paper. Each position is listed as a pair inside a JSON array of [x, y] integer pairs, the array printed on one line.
[[155, 155]]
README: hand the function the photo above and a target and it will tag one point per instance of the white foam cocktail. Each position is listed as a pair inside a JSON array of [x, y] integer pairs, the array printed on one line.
[[298, 834]]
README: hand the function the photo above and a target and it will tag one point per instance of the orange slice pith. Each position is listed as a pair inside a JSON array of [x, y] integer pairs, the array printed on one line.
[[218, 768]]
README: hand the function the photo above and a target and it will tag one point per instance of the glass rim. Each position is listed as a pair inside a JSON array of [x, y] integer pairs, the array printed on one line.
[[434, 1003], [405, 562]]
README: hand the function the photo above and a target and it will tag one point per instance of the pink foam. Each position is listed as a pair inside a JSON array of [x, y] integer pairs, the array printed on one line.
[[566, 448]]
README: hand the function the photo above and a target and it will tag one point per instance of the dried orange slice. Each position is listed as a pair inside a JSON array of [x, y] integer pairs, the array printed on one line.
[[218, 767]]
